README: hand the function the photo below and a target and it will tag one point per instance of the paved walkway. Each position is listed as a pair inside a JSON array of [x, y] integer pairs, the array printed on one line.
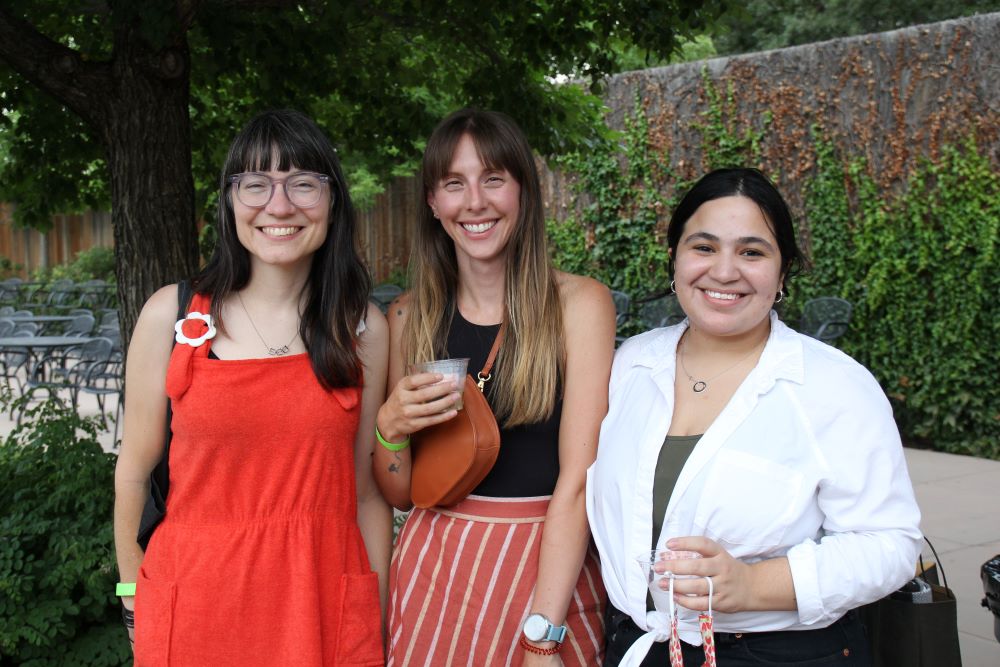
[[959, 498]]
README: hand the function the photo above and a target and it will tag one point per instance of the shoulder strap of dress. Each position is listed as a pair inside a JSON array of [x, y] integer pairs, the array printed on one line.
[[194, 330]]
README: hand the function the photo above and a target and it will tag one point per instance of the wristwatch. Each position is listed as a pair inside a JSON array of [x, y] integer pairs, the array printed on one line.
[[537, 628]]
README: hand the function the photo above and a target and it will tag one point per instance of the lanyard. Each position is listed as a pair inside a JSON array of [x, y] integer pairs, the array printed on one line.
[[704, 624]]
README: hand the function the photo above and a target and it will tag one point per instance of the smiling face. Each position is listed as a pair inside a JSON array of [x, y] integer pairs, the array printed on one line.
[[727, 268], [281, 233], [478, 206]]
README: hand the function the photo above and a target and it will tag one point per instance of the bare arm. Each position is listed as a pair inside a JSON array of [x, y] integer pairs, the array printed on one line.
[[413, 404], [589, 330], [144, 424], [374, 515]]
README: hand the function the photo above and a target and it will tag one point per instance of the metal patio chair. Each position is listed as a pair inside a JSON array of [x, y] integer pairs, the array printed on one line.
[[826, 318], [659, 311], [383, 295]]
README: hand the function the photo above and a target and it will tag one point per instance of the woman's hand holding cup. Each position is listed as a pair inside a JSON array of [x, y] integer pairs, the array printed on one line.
[[733, 580], [417, 401]]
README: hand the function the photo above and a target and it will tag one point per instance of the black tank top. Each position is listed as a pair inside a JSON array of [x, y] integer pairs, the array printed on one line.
[[528, 463]]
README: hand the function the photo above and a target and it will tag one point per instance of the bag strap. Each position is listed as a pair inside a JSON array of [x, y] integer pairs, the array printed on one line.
[[484, 375], [944, 577]]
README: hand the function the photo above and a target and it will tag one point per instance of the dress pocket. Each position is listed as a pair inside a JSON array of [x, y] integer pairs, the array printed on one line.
[[359, 638], [154, 616]]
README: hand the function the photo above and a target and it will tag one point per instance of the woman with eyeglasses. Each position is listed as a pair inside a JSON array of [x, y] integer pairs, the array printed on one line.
[[275, 544]]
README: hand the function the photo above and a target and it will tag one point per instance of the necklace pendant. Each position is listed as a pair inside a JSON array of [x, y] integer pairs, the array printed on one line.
[[278, 352], [699, 386]]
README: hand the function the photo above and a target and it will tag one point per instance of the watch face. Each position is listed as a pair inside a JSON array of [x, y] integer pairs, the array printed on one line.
[[535, 627]]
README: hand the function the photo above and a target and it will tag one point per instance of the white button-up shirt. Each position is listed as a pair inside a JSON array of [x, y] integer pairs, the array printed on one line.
[[804, 461]]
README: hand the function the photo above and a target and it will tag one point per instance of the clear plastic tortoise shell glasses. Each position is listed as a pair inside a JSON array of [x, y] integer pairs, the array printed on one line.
[[303, 189]]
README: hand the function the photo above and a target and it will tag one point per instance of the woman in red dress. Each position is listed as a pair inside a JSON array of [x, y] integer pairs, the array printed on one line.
[[275, 545]]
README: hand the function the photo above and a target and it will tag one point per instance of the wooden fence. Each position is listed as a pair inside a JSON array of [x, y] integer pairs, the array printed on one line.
[[29, 249]]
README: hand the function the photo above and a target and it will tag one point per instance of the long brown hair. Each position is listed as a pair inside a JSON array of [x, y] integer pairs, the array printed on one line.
[[531, 360], [338, 285]]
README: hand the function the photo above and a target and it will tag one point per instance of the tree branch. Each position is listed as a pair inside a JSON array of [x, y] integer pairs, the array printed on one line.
[[57, 70]]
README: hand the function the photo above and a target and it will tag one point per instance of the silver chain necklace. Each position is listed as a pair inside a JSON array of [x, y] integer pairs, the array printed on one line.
[[273, 351], [699, 386]]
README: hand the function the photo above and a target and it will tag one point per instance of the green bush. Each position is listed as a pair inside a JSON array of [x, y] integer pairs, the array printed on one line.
[[616, 237], [57, 570], [8, 268], [97, 263], [920, 268]]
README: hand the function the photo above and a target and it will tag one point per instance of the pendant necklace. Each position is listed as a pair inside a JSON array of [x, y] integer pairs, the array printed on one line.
[[699, 386], [273, 351]]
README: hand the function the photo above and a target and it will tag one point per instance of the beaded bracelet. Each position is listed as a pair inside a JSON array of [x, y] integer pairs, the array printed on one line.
[[391, 446], [538, 650]]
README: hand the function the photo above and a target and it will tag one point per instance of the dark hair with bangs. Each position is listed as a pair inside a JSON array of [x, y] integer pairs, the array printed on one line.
[[338, 284], [755, 186]]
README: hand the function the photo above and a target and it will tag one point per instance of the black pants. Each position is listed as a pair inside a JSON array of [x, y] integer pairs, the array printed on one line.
[[843, 644]]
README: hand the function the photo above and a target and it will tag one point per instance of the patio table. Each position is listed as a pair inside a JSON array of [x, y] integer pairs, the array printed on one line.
[[44, 320], [33, 345]]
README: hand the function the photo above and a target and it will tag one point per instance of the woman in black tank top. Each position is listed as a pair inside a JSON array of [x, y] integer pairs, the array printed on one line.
[[514, 554]]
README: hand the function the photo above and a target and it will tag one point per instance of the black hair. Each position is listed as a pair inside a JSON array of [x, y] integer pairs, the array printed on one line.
[[755, 186], [338, 284]]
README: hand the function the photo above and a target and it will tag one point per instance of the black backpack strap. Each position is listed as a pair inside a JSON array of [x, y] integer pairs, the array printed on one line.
[[159, 479]]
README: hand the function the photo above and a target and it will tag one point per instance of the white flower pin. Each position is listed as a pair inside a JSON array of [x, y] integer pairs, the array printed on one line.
[[200, 340]]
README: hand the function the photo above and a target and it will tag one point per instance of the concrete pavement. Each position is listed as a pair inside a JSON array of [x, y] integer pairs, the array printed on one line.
[[959, 498]]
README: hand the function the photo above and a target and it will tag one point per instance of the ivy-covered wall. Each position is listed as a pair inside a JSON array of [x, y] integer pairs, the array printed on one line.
[[887, 149]]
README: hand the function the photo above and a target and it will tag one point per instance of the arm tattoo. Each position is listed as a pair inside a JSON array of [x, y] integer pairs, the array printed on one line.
[[394, 467]]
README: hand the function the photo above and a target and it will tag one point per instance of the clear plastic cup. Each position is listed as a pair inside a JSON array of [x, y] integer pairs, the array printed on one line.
[[453, 370], [648, 560]]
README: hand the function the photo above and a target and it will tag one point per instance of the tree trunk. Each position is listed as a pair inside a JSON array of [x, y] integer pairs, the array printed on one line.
[[148, 142], [138, 104]]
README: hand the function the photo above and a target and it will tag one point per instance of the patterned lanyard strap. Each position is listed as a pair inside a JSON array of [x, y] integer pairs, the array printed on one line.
[[704, 623]]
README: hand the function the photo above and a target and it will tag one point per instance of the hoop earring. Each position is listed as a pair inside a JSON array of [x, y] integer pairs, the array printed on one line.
[[673, 290], [781, 296]]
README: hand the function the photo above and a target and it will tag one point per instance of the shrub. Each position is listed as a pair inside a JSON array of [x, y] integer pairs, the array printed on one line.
[[57, 570], [97, 263], [919, 267]]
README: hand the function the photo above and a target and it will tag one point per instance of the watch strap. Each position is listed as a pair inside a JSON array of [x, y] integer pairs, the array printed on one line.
[[556, 633]]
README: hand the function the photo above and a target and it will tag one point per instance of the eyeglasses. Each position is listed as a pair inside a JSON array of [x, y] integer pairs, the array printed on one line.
[[255, 189]]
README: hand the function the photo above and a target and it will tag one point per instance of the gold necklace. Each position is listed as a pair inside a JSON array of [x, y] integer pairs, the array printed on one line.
[[699, 386], [273, 351]]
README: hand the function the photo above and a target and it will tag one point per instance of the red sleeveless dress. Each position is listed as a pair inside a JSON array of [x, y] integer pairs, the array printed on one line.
[[259, 560]]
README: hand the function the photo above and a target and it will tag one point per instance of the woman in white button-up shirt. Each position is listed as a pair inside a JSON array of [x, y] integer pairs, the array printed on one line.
[[796, 494]]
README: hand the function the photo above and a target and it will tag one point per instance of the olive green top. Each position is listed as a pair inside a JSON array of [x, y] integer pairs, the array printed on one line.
[[673, 455]]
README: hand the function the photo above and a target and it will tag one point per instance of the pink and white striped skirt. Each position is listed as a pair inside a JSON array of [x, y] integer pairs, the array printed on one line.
[[461, 583]]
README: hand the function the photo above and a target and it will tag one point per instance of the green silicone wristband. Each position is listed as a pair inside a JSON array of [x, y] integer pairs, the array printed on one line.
[[391, 446], [124, 590]]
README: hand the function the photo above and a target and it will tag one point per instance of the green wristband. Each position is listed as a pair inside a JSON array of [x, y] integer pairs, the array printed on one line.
[[124, 590], [391, 446]]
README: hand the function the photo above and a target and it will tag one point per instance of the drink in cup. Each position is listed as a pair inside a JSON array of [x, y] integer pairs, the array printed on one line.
[[648, 562], [453, 370]]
